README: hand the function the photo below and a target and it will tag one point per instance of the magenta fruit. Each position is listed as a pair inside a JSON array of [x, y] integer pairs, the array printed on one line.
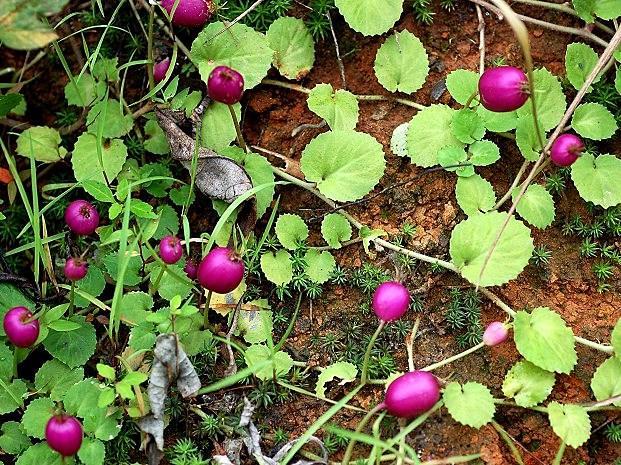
[[82, 217], [503, 89], [189, 13], [191, 269], [495, 333], [63, 433], [390, 301], [171, 250], [412, 394], [225, 85], [566, 149], [160, 69], [221, 271], [75, 269], [21, 332]]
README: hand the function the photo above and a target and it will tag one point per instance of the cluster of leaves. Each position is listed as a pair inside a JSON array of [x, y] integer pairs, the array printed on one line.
[[463, 317]]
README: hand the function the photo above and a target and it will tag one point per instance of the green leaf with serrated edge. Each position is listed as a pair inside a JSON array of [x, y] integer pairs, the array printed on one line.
[[179, 195], [291, 231], [195, 342], [471, 404], [258, 353], [83, 90], [472, 239], [157, 188], [63, 325], [11, 396], [142, 209], [585, 9], [236, 46], [461, 84], [344, 371], [594, 121], [536, 206], [73, 348], [370, 17], [171, 285], [255, 325], [339, 108], [467, 126], [217, 128], [580, 59], [293, 46], [92, 452], [13, 440], [102, 425], [135, 306], [168, 224], [111, 115], [570, 422], [98, 190], [448, 157], [606, 381], [551, 102], [475, 195], [335, 229], [142, 337], [54, 377], [618, 80], [36, 416], [106, 69], [497, 121], [106, 371], [428, 133], [607, 9], [543, 338], [93, 283], [401, 63], [346, 165], [527, 140], [368, 235], [277, 267], [319, 265], [528, 384], [156, 141], [615, 339], [594, 179], [483, 153], [82, 397], [42, 143], [85, 160], [6, 362], [40, 454], [8, 102], [133, 271], [399, 140]]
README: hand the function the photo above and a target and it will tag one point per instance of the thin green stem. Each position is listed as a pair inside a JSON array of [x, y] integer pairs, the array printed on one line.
[[446, 361], [238, 131], [71, 299], [291, 325], [509, 441], [471, 98], [514, 184], [206, 311], [150, 48], [350, 447], [453, 460], [156, 283], [514, 405], [559, 455], [15, 362], [367, 354]]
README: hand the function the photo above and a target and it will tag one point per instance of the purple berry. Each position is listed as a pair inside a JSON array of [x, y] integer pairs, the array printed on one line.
[[503, 89], [20, 331], [160, 69], [566, 149], [75, 269], [495, 333], [412, 394], [189, 13], [82, 217], [63, 433], [221, 271], [225, 85], [171, 250], [390, 301], [191, 269]]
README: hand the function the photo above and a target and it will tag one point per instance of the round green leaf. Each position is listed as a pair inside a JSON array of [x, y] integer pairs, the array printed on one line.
[[217, 128], [111, 115], [370, 17], [85, 159], [42, 143], [339, 108], [483, 153], [461, 84], [277, 267], [475, 195], [467, 126], [450, 156], [580, 59], [36, 416], [608, 9], [345, 371], [536, 206], [471, 404], [319, 265], [401, 63], [551, 102], [258, 353], [93, 283], [497, 121], [11, 396], [6, 362], [83, 90], [570, 422], [346, 165], [238, 46], [596, 179], [55, 378], [92, 452], [615, 339], [472, 239], [429, 132], [293, 45], [39, 454], [594, 121], [291, 231], [528, 384], [75, 347], [13, 440], [527, 140], [169, 285], [544, 339], [606, 381], [335, 229]]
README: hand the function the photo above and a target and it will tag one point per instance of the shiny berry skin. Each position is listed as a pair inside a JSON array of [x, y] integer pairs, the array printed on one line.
[[63, 434], [160, 69], [503, 89], [171, 250], [191, 269], [566, 149], [189, 13], [412, 394], [221, 271], [82, 217], [495, 333], [19, 331], [225, 85], [390, 301], [75, 269]]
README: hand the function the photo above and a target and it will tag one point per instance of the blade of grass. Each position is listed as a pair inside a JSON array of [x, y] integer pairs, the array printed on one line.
[[233, 379]]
